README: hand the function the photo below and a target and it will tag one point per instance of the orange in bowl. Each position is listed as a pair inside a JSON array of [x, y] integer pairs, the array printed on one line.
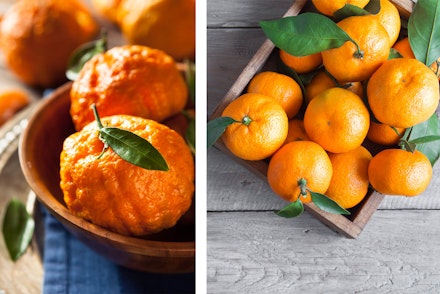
[[169, 251]]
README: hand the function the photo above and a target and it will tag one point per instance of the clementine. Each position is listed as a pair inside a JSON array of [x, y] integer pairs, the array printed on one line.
[[328, 7], [384, 134], [301, 64], [115, 194], [337, 119], [295, 161], [130, 79], [260, 128]]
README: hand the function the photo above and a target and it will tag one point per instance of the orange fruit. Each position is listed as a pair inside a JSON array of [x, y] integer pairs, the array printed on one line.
[[345, 63], [323, 81], [11, 101], [296, 131], [349, 184], [115, 194], [37, 38], [299, 160], [337, 119], [403, 92], [281, 88], [404, 48], [301, 64], [400, 172], [261, 126], [384, 134], [130, 79], [329, 7], [167, 25], [389, 17]]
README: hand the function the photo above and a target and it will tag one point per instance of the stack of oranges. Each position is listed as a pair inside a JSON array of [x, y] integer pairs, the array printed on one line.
[[357, 95]]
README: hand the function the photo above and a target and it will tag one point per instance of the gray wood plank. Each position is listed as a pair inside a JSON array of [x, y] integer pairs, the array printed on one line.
[[255, 252]]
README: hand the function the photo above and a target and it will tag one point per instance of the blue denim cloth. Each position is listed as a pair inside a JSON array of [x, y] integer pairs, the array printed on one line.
[[71, 267]]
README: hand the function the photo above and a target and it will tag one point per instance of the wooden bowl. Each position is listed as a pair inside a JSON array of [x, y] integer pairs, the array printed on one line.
[[170, 251]]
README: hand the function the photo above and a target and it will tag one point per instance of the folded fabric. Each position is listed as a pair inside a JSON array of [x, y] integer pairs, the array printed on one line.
[[72, 267]]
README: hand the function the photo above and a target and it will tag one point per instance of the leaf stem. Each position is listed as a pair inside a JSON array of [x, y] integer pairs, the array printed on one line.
[[98, 120]]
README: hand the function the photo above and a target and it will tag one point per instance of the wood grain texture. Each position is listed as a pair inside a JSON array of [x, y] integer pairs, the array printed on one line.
[[262, 253]]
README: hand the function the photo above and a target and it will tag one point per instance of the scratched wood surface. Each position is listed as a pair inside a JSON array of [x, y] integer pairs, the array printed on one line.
[[251, 250]]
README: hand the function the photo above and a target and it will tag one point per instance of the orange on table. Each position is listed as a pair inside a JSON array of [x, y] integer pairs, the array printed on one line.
[[299, 160], [301, 64], [400, 172], [384, 134], [389, 17], [323, 81], [337, 119], [11, 101], [37, 38], [281, 88], [261, 126], [344, 63], [130, 79], [403, 92], [168, 25], [115, 194], [349, 184], [296, 131], [329, 7]]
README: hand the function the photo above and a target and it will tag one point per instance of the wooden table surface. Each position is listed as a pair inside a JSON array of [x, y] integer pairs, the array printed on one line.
[[251, 250]]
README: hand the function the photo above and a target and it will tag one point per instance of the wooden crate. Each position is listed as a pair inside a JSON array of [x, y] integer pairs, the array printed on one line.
[[265, 59]]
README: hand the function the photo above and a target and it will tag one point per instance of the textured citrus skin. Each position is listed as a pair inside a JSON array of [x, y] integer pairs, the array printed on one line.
[[349, 184], [296, 131], [301, 64], [266, 131], [131, 79], [107, 8], [299, 160], [337, 119], [384, 134], [323, 81], [328, 7], [389, 18], [115, 194], [403, 92], [373, 41], [400, 172], [38, 37], [281, 88], [168, 25]]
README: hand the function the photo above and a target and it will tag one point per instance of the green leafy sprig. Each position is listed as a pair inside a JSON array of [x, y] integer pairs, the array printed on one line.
[[129, 146]]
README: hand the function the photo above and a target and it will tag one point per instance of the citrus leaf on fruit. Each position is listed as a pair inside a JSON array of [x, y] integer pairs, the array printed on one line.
[[83, 54], [427, 129], [424, 31], [373, 7], [394, 54], [217, 127], [18, 229], [130, 147], [326, 204], [305, 34], [291, 210]]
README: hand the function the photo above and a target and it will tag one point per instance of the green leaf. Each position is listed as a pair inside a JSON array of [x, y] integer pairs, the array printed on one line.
[[424, 31], [293, 209], [394, 54], [326, 204], [18, 228], [217, 127], [305, 34], [190, 77], [83, 54], [133, 148], [130, 147], [427, 129]]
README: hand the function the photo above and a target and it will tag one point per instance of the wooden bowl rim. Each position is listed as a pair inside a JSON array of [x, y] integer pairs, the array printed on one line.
[[130, 244]]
